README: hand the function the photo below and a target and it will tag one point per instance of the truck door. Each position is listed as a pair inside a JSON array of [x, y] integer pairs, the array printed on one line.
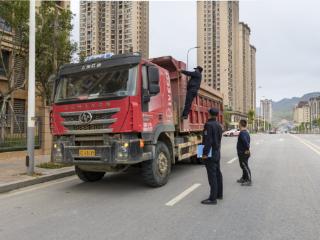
[[151, 97]]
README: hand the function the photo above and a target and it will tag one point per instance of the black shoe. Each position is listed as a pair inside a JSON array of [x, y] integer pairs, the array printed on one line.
[[220, 198], [241, 180], [184, 117], [209, 202], [246, 183]]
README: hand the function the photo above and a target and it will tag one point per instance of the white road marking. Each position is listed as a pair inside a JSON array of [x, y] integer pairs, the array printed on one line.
[[35, 187], [310, 145], [182, 195], [281, 139], [232, 160]]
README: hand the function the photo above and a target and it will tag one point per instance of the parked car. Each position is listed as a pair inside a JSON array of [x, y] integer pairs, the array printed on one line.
[[231, 133], [293, 132]]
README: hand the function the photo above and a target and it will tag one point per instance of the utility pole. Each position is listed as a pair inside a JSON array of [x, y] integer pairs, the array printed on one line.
[[31, 88]]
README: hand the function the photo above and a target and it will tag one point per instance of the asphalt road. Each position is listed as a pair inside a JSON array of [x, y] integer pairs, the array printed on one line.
[[283, 203]]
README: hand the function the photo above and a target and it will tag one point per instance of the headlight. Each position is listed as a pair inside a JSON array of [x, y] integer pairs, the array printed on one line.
[[57, 151], [123, 150]]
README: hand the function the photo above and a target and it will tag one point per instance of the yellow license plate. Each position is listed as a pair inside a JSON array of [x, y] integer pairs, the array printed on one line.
[[87, 153]]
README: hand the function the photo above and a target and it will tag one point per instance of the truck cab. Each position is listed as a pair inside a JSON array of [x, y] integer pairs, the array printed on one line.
[[106, 112]]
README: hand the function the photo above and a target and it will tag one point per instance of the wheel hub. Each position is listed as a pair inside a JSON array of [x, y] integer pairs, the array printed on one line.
[[162, 163]]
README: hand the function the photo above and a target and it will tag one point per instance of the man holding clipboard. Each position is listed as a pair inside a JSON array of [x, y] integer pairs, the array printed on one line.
[[212, 135]]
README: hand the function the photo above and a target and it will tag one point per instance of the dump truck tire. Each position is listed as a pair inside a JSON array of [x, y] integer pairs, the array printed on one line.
[[156, 172]]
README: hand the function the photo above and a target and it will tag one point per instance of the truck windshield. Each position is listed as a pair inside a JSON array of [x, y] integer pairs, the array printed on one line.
[[113, 82]]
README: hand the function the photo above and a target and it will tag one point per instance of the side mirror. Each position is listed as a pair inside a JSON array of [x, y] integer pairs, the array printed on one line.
[[153, 78], [52, 85], [153, 75], [154, 89]]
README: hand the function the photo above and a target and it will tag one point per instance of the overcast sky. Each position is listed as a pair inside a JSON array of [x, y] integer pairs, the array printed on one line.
[[286, 34]]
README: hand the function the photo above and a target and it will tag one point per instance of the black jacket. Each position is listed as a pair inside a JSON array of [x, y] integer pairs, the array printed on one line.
[[243, 142], [212, 135], [195, 80]]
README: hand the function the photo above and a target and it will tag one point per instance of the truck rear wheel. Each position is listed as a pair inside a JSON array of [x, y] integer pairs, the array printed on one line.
[[87, 176], [156, 171]]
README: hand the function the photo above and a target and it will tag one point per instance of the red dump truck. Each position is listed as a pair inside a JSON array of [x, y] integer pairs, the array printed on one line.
[[113, 112]]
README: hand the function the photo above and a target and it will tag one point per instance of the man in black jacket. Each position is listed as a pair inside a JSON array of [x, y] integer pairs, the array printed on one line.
[[212, 135], [192, 89], [243, 149]]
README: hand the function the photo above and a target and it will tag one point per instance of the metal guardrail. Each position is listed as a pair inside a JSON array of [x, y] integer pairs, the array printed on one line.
[[13, 132]]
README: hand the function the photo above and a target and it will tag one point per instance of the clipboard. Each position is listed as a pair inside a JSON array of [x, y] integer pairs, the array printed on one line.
[[200, 151]]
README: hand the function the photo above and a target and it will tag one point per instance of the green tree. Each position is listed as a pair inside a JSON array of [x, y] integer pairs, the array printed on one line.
[[226, 119], [15, 15], [302, 127], [251, 117], [53, 45], [13, 29]]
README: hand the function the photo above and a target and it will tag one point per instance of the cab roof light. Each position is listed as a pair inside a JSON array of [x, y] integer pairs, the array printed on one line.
[[99, 56]]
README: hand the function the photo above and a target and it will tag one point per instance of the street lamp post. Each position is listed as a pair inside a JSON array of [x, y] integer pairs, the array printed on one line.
[[264, 115], [188, 55], [31, 88]]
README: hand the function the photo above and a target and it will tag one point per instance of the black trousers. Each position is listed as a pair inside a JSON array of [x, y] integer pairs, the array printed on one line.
[[214, 176], [191, 94], [243, 161]]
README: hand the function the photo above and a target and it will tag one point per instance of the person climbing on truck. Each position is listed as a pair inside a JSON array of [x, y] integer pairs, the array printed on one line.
[[192, 88]]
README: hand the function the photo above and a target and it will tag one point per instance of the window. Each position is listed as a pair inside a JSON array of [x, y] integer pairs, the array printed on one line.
[[19, 71], [4, 67], [5, 26]]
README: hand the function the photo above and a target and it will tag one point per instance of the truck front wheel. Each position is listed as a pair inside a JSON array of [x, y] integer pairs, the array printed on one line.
[[87, 176], [156, 171]]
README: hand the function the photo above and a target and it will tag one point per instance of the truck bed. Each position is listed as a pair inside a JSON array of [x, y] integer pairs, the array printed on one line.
[[207, 97]]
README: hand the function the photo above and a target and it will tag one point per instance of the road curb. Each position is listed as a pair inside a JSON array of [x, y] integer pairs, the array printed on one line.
[[7, 187]]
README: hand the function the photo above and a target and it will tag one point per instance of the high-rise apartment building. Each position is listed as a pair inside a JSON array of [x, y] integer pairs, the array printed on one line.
[[217, 37], [301, 112], [253, 104], [244, 83], [314, 104], [114, 26], [266, 110]]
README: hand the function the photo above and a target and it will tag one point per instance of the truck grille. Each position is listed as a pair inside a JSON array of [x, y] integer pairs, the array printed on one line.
[[99, 121], [94, 117]]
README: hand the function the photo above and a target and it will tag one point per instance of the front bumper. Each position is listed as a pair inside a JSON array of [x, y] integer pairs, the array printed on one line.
[[111, 153]]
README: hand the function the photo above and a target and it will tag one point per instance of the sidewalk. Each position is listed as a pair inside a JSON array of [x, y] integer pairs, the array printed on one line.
[[13, 173]]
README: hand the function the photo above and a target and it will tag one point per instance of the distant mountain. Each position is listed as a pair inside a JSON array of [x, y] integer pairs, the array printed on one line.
[[283, 109]]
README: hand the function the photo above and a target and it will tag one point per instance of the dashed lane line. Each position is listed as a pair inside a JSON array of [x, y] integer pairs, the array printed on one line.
[[232, 160], [182, 195]]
